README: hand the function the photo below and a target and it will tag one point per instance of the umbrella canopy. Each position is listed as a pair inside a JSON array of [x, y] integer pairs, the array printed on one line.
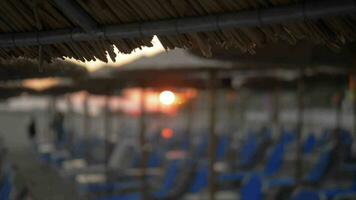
[[13, 91], [312, 81], [175, 68], [20, 69]]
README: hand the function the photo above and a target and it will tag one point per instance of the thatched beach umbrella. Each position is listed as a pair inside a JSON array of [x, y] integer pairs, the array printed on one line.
[[173, 69], [13, 91], [87, 30], [20, 69]]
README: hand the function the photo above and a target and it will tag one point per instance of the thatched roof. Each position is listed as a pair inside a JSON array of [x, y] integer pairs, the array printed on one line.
[[25, 16], [20, 69], [281, 55]]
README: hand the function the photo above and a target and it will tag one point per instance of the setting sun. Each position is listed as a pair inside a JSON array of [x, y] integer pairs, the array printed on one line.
[[167, 97]]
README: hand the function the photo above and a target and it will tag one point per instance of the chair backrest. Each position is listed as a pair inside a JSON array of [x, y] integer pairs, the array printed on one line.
[[252, 189], [200, 180], [154, 159], [345, 137], [169, 179], [222, 147], [171, 175], [5, 188], [248, 150], [306, 195], [275, 160], [309, 144], [320, 168], [287, 137], [200, 150]]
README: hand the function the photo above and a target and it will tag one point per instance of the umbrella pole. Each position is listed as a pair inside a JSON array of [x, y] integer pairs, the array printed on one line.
[[51, 113], [300, 124], [86, 115], [143, 145], [107, 132], [70, 118], [338, 116], [212, 135], [353, 90], [190, 118], [242, 107], [231, 112], [231, 109], [86, 122], [276, 112]]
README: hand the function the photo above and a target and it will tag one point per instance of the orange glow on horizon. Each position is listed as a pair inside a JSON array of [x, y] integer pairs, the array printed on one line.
[[40, 84], [129, 102]]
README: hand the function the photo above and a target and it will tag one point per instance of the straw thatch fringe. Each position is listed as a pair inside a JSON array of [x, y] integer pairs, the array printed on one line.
[[17, 16]]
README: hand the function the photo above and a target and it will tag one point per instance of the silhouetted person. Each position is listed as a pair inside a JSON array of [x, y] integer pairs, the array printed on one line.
[[32, 129]]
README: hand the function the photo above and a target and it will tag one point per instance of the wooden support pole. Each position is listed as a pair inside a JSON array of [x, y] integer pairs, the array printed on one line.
[[231, 114], [70, 121], [107, 133], [212, 135], [276, 112], [354, 116], [231, 110], [86, 124], [300, 124], [52, 103], [143, 145], [353, 90], [86, 117], [242, 108], [189, 125], [338, 111]]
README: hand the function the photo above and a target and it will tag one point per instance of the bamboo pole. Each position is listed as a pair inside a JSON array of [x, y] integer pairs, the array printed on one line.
[[300, 124], [143, 145], [212, 135]]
